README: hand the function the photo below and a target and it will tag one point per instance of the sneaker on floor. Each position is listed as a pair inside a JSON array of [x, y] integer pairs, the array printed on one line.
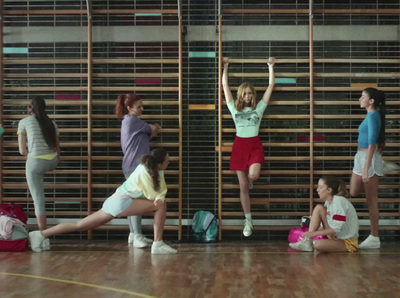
[[132, 236], [160, 248], [46, 244], [140, 241], [248, 228], [305, 244], [370, 243], [36, 238], [148, 240]]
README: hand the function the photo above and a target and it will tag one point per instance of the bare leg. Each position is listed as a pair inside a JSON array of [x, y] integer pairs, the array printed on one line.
[[356, 185], [244, 191], [329, 245], [371, 192], [144, 206], [90, 222], [41, 221], [159, 222], [254, 171], [318, 216]]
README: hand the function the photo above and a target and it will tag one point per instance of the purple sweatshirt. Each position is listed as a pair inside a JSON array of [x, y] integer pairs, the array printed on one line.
[[135, 141]]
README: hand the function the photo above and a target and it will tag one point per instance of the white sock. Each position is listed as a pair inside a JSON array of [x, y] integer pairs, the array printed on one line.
[[248, 217]]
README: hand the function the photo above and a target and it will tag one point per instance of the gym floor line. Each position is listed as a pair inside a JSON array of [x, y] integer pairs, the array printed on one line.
[[77, 283]]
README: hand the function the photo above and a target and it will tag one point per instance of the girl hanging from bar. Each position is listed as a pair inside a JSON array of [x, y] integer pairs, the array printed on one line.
[[247, 155]]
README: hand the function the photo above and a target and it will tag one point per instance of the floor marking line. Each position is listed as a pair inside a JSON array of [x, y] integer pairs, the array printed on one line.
[[236, 252], [77, 283]]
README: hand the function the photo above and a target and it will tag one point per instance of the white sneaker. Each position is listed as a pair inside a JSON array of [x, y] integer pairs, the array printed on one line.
[[370, 243], [46, 244], [132, 236], [141, 241], [160, 248], [305, 244], [390, 166], [36, 238], [248, 228]]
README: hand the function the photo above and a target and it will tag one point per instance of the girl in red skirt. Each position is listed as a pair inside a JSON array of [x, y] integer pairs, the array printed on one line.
[[247, 152]]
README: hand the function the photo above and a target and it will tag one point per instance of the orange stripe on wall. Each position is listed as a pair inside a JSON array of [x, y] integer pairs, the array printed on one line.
[[364, 85], [224, 148], [201, 107]]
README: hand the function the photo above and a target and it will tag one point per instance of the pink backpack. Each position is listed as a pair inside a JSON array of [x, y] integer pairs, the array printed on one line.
[[20, 243], [296, 233]]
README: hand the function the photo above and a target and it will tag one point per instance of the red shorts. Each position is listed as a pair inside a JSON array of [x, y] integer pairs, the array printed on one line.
[[245, 152]]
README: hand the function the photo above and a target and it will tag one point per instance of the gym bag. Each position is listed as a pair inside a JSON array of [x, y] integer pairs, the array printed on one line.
[[205, 227], [17, 235]]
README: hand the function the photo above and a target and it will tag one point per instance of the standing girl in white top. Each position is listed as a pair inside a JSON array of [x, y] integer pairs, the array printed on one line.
[[247, 155], [337, 220], [38, 140], [142, 193]]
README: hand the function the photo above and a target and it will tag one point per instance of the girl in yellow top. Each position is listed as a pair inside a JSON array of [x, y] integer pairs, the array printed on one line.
[[143, 192]]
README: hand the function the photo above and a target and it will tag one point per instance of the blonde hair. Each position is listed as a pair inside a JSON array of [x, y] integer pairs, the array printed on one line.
[[239, 103]]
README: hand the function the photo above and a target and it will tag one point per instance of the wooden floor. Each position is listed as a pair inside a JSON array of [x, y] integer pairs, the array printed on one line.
[[228, 269]]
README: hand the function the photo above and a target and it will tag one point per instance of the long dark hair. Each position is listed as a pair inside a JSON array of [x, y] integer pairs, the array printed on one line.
[[338, 185], [380, 105], [151, 163], [38, 109], [123, 102]]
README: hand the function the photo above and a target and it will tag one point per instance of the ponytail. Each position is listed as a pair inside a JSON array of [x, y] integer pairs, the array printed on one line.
[[380, 104], [342, 189], [120, 109], [38, 108], [123, 102], [151, 163], [338, 186]]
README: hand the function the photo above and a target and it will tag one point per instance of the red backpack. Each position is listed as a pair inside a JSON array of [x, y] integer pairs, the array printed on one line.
[[21, 243]]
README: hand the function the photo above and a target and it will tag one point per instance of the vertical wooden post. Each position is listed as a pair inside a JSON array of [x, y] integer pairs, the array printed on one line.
[[89, 108], [180, 121], [311, 65], [1, 97], [219, 121]]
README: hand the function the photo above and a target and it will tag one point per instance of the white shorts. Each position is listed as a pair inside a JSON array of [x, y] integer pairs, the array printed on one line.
[[115, 205], [375, 168]]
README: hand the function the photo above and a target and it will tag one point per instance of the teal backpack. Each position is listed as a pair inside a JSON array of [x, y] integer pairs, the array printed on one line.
[[205, 227]]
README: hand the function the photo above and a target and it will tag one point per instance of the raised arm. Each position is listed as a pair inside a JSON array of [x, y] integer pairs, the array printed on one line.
[[225, 85], [267, 95]]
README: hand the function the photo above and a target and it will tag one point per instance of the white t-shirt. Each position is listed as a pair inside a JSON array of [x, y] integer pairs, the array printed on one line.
[[248, 121], [342, 217]]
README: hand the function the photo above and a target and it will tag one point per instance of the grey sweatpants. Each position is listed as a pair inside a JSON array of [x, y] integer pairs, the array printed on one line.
[[35, 170], [135, 222]]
